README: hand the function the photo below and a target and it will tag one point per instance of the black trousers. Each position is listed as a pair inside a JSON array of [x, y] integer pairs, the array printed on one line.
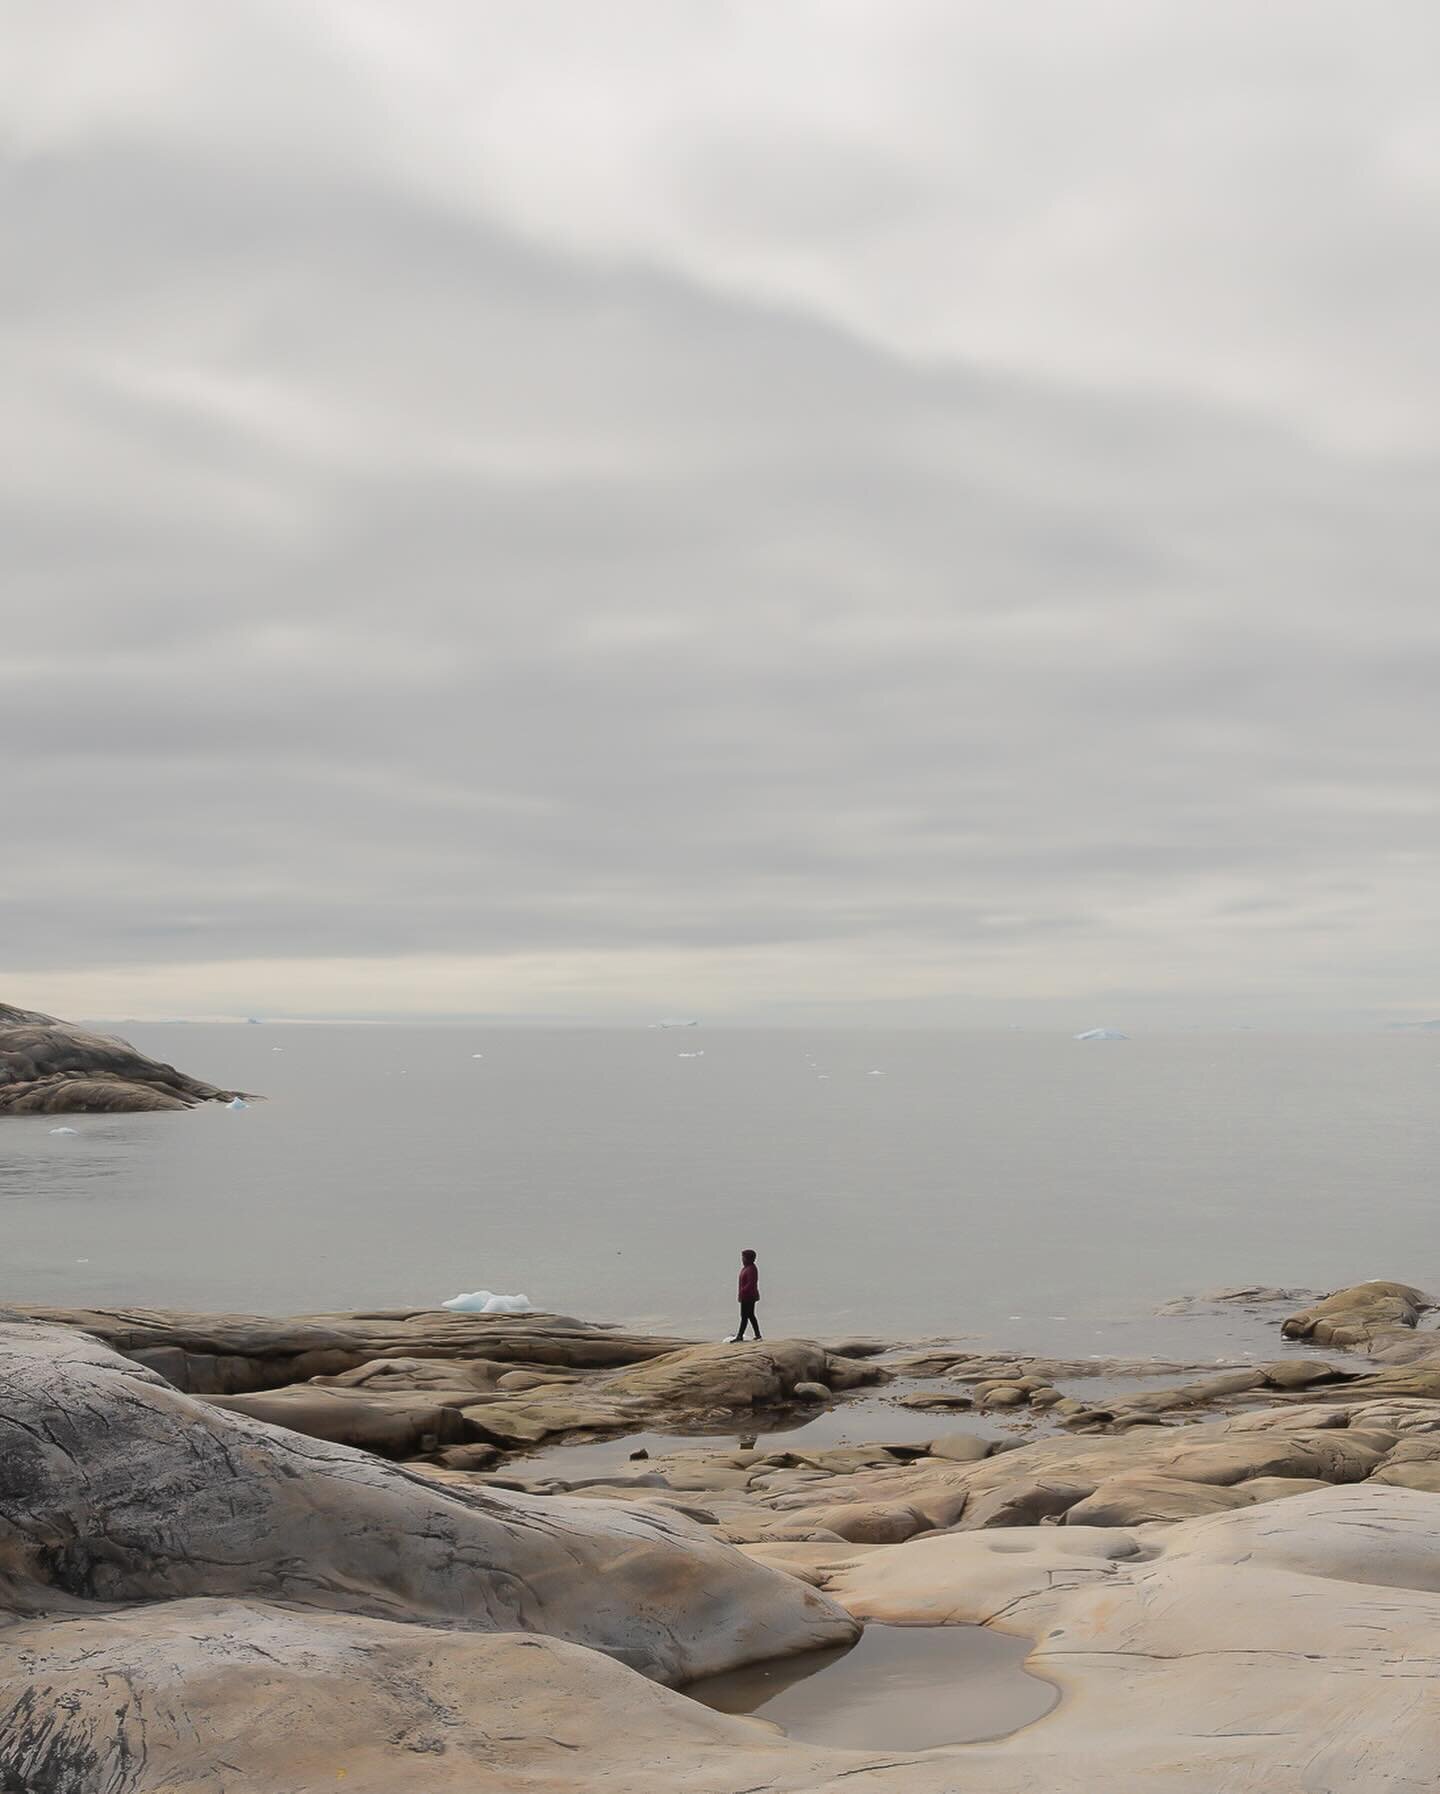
[[747, 1319]]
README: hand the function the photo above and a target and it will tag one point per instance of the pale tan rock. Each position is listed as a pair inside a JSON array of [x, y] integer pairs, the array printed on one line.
[[834, 1460], [232, 1354], [1022, 1501], [1278, 1488], [961, 1448], [1301, 1373], [1333, 1456], [871, 1522], [1177, 1648], [1355, 1316], [387, 1375], [1041, 1480], [395, 1426], [696, 1385], [289, 1701], [1410, 1475], [122, 1489], [1412, 1448], [513, 1380], [1140, 1497]]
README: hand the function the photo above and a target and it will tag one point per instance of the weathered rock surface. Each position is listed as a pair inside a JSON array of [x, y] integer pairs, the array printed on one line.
[[235, 1354], [1230, 1388], [409, 1383], [246, 1698], [50, 1067], [685, 1387], [1357, 1316], [115, 1488], [1281, 1648], [1006, 1367], [1152, 1473], [1286, 1647], [1241, 1295], [199, 1600]]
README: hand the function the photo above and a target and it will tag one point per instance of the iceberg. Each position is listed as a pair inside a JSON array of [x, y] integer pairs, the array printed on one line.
[[484, 1301], [64, 1130], [237, 1102], [1102, 1034]]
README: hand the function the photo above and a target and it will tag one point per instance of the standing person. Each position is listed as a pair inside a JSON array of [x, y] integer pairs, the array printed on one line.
[[749, 1294]]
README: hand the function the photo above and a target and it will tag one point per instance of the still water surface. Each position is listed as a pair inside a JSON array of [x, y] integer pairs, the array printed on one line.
[[1024, 1188]]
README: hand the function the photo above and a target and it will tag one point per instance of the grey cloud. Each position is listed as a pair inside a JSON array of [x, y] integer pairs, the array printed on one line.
[[384, 581]]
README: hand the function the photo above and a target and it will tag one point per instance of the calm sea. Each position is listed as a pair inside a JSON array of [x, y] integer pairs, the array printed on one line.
[[1018, 1187]]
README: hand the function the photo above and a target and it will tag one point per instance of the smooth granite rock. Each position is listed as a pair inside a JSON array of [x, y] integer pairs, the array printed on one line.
[[115, 1488], [237, 1354], [1286, 1649], [1358, 1315]]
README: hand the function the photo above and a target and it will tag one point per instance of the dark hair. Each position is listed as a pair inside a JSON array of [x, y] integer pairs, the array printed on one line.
[[748, 1256]]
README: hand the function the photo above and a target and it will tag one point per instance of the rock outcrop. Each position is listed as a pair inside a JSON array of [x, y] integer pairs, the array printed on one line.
[[196, 1600], [50, 1067], [414, 1383], [687, 1387], [1275, 1648], [234, 1354], [1358, 1316], [1255, 1453], [116, 1488]]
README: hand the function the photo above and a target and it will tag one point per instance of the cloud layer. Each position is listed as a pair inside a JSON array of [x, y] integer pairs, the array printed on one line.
[[568, 510]]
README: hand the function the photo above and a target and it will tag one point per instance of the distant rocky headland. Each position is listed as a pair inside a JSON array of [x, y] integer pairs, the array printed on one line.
[[246, 1553], [50, 1067]]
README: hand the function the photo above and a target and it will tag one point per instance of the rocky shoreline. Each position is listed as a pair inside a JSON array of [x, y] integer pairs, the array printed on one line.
[[260, 1555], [53, 1067]]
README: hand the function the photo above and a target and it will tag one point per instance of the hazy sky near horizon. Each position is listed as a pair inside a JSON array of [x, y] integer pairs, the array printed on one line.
[[904, 508]]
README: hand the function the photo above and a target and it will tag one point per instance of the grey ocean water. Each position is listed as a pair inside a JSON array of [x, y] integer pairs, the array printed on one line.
[[1021, 1187]]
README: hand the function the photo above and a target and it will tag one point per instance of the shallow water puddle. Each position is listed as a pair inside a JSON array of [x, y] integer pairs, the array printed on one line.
[[898, 1688]]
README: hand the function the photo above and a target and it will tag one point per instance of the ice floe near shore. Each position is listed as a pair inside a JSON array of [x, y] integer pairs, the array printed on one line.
[[485, 1301]]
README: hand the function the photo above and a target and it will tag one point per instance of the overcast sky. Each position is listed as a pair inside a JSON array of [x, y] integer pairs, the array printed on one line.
[[785, 510]]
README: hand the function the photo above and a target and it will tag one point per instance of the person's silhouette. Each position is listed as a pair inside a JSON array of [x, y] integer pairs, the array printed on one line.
[[749, 1294]]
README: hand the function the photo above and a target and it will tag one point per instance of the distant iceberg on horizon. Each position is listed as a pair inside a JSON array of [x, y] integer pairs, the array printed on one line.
[[1102, 1034], [675, 1024]]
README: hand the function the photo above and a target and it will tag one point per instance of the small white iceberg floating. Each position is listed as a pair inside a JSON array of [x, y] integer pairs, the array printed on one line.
[[1102, 1034], [64, 1130], [237, 1102], [485, 1301], [699, 1053]]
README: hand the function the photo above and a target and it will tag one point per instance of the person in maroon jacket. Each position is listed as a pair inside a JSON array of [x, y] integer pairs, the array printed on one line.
[[749, 1294]]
